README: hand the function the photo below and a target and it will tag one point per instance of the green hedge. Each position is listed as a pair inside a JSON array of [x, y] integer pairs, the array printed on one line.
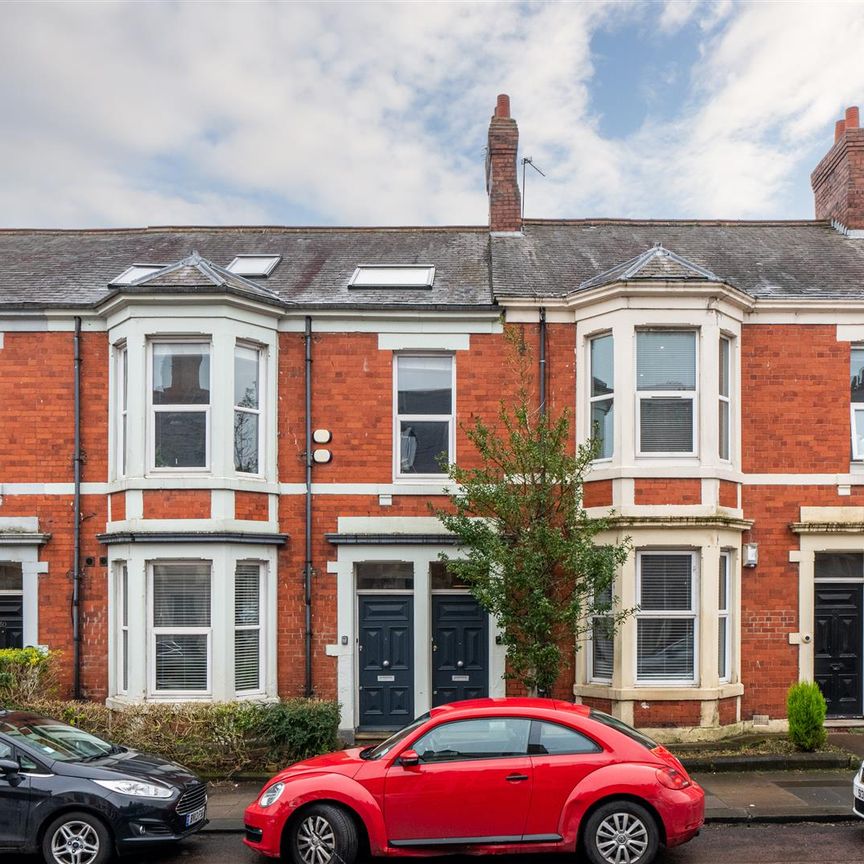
[[805, 708], [217, 739], [26, 674]]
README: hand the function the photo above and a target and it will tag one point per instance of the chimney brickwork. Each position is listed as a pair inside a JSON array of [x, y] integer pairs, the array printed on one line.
[[838, 180], [505, 205]]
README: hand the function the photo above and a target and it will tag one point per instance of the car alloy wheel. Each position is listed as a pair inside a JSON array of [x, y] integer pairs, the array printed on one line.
[[324, 835], [621, 832], [76, 838]]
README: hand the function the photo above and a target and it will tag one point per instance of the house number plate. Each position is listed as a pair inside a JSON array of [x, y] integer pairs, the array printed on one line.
[[386, 678], [461, 678]]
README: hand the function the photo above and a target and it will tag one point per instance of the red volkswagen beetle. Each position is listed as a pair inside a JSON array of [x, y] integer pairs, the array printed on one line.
[[489, 775]]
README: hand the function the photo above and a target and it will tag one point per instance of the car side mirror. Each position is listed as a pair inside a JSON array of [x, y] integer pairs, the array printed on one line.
[[9, 769], [408, 758]]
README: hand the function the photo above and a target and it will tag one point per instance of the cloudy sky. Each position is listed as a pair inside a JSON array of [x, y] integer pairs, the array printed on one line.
[[134, 113]]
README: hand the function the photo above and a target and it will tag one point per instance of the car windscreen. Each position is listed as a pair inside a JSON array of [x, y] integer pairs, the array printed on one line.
[[623, 728], [56, 740], [385, 747]]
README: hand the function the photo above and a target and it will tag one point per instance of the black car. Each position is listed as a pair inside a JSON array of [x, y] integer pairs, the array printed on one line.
[[78, 798]]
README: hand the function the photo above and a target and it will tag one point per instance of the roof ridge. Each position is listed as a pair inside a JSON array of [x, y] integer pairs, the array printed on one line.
[[701, 222]]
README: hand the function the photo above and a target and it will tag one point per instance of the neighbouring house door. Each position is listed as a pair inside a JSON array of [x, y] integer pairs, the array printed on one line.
[[837, 638], [11, 621], [460, 649], [386, 660]]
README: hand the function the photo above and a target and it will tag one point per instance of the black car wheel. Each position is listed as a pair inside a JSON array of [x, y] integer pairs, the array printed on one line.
[[76, 838], [621, 832], [323, 834]]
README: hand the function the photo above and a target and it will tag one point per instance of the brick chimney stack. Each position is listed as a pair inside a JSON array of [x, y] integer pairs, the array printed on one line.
[[504, 201], [838, 181]]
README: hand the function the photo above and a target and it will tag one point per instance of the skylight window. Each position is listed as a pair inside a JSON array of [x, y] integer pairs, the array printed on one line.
[[136, 271], [392, 276], [254, 265]]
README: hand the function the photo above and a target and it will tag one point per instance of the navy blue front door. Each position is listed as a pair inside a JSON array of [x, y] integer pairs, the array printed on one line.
[[386, 660], [460, 649], [11, 621]]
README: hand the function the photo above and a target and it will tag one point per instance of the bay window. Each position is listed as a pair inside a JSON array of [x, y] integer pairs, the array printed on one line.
[[180, 403], [122, 390], [856, 389], [602, 398], [666, 392], [248, 595], [247, 409], [666, 617], [424, 415], [123, 628], [723, 640], [724, 417], [602, 640]]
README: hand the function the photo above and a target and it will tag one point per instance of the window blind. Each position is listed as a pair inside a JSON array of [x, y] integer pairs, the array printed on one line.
[[666, 425], [665, 583], [247, 627], [665, 360]]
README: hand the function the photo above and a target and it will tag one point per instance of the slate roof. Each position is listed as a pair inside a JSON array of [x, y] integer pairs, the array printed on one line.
[[765, 259], [40, 269], [655, 263]]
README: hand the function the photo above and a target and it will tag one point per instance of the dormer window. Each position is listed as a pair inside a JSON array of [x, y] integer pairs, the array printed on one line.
[[135, 272], [392, 276], [254, 265]]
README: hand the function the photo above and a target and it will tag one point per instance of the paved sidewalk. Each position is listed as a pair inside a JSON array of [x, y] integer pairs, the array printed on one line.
[[752, 796]]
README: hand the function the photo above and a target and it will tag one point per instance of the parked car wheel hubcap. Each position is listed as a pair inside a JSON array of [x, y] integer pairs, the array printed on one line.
[[316, 841], [75, 843], [622, 838]]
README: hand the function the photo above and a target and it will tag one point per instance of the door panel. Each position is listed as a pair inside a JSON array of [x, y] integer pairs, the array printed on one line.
[[460, 639], [14, 805], [11, 621], [837, 648], [386, 661]]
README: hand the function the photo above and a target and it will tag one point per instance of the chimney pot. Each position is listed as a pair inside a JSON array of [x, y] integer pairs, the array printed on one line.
[[839, 129], [852, 121], [838, 180], [502, 108]]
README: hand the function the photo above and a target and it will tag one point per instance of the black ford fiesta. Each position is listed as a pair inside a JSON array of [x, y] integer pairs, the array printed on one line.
[[79, 799]]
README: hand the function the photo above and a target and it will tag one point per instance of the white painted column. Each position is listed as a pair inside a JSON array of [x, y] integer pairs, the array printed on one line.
[[139, 610], [708, 601], [422, 630], [222, 625]]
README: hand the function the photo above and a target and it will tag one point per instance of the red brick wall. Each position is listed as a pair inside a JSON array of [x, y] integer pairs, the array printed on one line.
[[838, 181], [663, 491], [728, 494], [728, 711], [659, 715], [176, 503], [795, 417], [118, 506], [597, 493], [600, 704], [251, 505]]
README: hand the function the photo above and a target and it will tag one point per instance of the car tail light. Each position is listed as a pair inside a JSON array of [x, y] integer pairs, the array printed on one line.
[[672, 778]]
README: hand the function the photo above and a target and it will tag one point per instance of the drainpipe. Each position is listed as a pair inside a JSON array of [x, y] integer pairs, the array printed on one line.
[[307, 569], [542, 353], [76, 517]]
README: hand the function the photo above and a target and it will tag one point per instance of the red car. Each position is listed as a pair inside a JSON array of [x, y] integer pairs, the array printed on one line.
[[489, 775]]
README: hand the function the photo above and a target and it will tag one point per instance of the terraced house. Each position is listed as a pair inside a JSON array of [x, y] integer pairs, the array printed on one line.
[[218, 447]]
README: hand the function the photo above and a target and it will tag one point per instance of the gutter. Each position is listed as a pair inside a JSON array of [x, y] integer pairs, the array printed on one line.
[[307, 568], [76, 516]]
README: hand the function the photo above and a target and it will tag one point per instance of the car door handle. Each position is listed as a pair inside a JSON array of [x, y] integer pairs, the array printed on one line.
[[516, 778]]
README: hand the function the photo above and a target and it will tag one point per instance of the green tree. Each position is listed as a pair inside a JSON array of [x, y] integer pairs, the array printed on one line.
[[532, 558]]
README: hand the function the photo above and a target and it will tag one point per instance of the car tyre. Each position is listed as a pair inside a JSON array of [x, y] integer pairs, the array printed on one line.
[[621, 832], [77, 838], [323, 834]]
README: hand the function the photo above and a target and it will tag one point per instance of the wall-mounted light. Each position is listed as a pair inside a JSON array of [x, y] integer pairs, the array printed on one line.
[[750, 554]]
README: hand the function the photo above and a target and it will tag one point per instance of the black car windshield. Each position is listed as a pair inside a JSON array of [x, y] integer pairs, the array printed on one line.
[[385, 747], [55, 740]]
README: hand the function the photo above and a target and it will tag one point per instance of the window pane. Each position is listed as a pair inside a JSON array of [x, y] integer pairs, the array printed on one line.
[[246, 442], [839, 565], [723, 417], [722, 626], [858, 432], [124, 683], [602, 380], [11, 577], [475, 739], [857, 375], [425, 385], [665, 361], [181, 661], [441, 577], [552, 738], [666, 425], [665, 649], [247, 595], [181, 595], [602, 648], [422, 446], [247, 662], [665, 582], [724, 367], [246, 377], [181, 439], [723, 596], [392, 575], [181, 374], [602, 426]]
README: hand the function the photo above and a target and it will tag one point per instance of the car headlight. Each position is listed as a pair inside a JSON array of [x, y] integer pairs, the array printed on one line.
[[271, 795], [136, 788]]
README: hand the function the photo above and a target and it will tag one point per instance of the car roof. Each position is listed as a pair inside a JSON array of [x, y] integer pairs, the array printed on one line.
[[519, 704]]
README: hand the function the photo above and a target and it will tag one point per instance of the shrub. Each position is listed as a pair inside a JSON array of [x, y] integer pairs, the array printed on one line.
[[26, 674], [805, 708], [219, 739]]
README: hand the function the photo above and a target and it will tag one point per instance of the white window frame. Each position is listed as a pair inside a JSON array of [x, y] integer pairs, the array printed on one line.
[[593, 677], [691, 614], [724, 399], [606, 397], [122, 605], [640, 395], [260, 627], [122, 392], [723, 617], [398, 418], [855, 408], [153, 632], [259, 411], [153, 409]]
